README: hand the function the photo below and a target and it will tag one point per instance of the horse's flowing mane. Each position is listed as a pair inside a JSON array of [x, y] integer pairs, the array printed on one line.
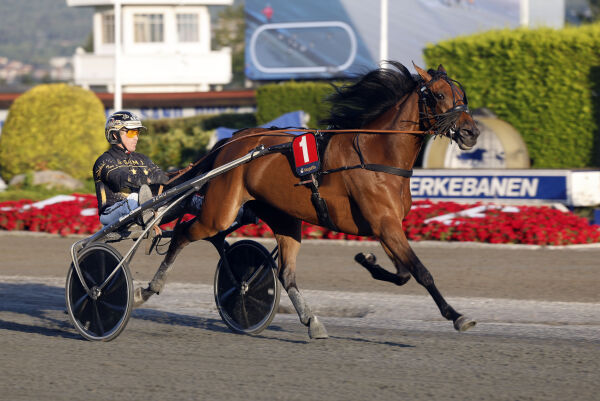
[[354, 105]]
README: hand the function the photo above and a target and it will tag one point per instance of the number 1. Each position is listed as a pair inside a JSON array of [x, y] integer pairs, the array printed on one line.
[[304, 147]]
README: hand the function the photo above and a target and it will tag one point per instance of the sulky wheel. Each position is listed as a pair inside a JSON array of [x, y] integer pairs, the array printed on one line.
[[102, 318], [246, 287]]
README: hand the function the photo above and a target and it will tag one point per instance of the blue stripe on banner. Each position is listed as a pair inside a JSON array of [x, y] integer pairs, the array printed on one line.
[[490, 187]]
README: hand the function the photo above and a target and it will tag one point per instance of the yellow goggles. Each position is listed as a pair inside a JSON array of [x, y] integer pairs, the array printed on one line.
[[132, 133]]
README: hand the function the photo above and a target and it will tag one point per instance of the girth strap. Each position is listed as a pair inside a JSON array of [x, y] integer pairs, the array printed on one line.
[[320, 205]]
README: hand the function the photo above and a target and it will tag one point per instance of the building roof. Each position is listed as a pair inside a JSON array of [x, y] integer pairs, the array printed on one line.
[[176, 99], [87, 3]]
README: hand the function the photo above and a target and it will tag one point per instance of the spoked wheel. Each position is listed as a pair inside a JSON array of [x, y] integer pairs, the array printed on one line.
[[246, 287], [100, 317]]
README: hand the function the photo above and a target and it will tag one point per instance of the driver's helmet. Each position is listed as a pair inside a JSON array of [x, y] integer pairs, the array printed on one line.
[[118, 120]]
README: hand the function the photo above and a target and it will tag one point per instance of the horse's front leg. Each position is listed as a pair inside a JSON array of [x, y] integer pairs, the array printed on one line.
[[394, 239]]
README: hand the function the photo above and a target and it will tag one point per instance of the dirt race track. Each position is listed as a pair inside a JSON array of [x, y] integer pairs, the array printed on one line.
[[537, 338]]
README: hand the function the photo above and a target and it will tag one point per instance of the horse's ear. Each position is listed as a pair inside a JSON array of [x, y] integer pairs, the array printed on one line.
[[424, 74], [441, 69]]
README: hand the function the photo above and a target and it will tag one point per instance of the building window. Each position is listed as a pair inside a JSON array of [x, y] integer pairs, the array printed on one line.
[[108, 28], [187, 27], [148, 28]]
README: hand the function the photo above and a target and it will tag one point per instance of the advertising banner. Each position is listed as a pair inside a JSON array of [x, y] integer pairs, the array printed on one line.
[[311, 39], [570, 187]]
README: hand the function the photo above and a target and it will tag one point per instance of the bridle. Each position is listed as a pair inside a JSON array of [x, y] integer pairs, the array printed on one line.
[[441, 123]]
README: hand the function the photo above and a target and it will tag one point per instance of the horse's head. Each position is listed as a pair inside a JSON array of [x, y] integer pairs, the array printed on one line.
[[444, 107]]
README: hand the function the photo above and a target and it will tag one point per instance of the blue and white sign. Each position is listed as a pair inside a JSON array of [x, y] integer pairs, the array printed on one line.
[[570, 187], [317, 39]]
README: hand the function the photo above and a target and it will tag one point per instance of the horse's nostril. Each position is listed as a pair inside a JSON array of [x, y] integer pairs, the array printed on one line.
[[470, 132]]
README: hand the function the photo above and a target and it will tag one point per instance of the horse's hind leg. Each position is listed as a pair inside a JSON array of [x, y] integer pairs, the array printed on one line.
[[215, 216], [369, 262], [178, 242], [288, 250], [394, 239], [287, 233]]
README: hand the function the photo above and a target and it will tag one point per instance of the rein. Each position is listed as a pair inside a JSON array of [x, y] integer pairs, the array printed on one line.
[[318, 132]]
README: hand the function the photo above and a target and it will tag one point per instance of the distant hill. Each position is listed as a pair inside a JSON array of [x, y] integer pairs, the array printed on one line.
[[33, 31]]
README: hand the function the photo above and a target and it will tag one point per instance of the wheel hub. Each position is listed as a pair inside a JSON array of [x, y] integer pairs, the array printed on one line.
[[95, 292]]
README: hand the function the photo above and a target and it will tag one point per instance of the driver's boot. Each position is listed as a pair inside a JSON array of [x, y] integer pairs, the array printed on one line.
[[144, 195]]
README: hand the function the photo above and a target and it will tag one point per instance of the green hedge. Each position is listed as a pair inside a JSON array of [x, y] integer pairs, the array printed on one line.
[[273, 100], [53, 127], [175, 142], [544, 82]]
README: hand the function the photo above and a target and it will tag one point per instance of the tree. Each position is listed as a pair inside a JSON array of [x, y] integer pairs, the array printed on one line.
[[229, 32]]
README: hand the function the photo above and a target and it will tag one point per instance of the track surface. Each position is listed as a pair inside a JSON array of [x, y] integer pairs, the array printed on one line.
[[538, 336]]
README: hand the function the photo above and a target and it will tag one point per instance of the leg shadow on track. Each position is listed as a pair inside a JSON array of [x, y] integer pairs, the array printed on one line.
[[175, 319]]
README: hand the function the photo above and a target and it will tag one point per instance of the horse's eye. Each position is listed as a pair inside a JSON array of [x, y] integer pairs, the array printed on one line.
[[440, 96]]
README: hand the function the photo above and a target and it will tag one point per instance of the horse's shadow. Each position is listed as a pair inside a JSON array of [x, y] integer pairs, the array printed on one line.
[[176, 319], [46, 305]]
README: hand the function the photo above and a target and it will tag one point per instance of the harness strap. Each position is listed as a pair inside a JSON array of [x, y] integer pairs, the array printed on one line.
[[382, 168], [320, 205], [372, 167]]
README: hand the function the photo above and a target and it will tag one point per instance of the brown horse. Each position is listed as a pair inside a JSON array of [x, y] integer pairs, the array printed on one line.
[[356, 196]]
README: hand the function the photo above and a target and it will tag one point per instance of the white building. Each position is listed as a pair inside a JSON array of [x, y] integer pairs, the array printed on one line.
[[165, 47]]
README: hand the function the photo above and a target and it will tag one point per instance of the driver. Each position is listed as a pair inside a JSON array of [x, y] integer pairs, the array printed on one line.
[[121, 175]]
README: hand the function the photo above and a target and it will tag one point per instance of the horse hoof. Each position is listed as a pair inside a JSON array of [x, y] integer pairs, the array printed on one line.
[[463, 323], [316, 330], [363, 258], [141, 295]]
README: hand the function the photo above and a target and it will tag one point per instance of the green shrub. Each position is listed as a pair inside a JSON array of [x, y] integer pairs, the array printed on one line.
[[175, 142], [544, 82], [273, 100], [175, 148], [55, 127], [230, 120]]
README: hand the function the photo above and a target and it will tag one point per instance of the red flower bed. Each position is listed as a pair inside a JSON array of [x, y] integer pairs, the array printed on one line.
[[540, 225], [62, 218]]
